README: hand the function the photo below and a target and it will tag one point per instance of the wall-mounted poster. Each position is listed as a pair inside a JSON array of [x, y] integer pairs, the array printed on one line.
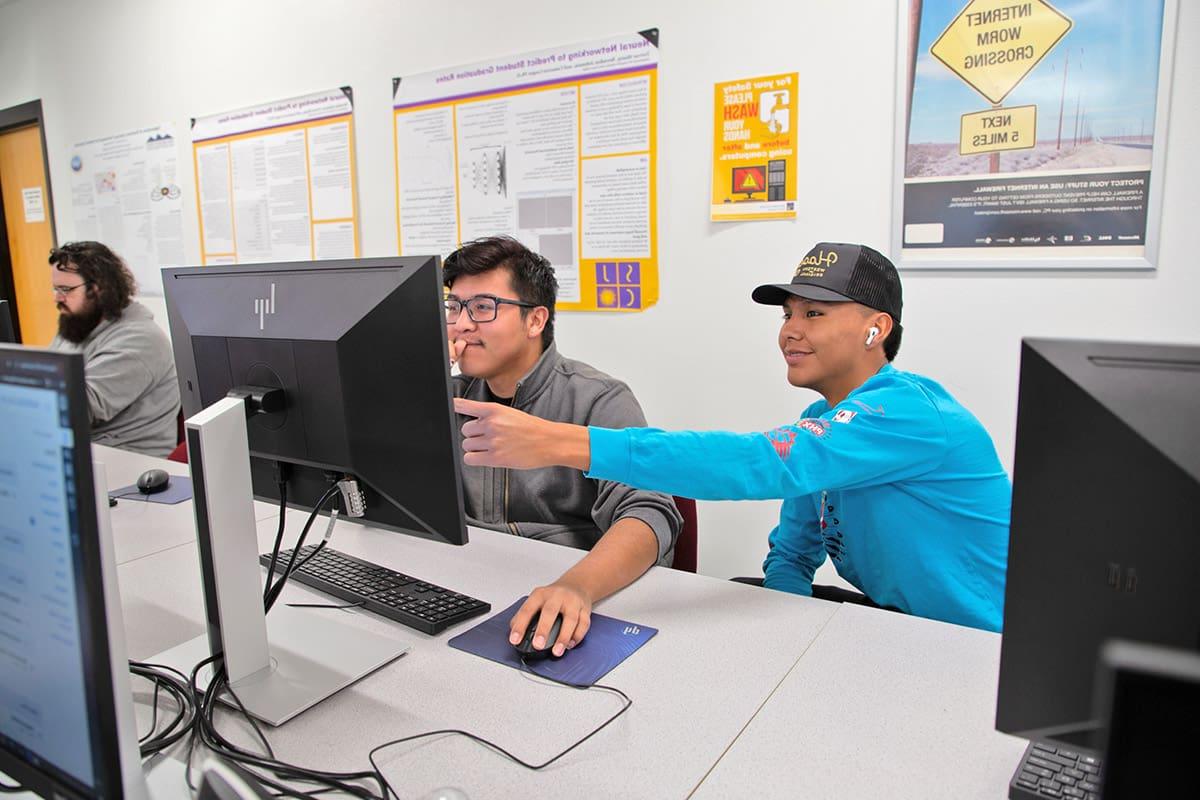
[[125, 193], [556, 148], [754, 148], [1031, 133], [275, 182]]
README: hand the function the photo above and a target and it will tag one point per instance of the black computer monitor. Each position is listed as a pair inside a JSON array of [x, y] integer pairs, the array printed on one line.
[[359, 349], [1105, 538], [8, 331], [59, 732]]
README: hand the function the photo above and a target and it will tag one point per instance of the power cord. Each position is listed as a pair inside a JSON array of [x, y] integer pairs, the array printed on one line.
[[270, 771], [281, 482], [174, 684], [273, 592]]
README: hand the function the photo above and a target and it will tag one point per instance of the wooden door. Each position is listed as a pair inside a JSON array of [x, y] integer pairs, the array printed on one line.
[[23, 190]]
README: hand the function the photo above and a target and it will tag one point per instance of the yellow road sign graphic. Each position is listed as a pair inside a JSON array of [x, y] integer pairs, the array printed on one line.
[[994, 44], [998, 129]]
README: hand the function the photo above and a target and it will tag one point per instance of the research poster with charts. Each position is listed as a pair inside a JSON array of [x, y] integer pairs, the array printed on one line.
[[276, 182], [1031, 133], [754, 149], [556, 148], [125, 193]]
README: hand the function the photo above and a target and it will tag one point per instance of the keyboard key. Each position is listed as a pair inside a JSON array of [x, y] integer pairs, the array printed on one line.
[[1043, 763]]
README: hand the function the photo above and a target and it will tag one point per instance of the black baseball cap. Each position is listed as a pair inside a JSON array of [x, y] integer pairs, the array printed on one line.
[[835, 272]]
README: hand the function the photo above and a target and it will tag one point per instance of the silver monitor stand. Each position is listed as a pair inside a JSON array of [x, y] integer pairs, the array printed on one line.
[[278, 665]]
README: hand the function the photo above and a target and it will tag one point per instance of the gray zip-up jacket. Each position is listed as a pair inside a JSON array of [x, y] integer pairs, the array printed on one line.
[[558, 504], [132, 389]]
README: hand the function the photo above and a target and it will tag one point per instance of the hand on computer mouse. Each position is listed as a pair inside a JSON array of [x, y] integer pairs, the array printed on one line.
[[544, 606]]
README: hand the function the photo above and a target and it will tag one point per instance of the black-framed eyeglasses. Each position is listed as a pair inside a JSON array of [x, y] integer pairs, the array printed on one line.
[[480, 308]]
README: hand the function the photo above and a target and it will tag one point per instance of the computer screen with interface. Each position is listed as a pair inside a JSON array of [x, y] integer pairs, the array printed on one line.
[[57, 717]]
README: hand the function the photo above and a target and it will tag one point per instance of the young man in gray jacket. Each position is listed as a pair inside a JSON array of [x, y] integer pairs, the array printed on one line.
[[133, 393], [500, 323]]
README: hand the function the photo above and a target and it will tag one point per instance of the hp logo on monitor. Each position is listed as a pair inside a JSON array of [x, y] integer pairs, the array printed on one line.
[[264, 306]]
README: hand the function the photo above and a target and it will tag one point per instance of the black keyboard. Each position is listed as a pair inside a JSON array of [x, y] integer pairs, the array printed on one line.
[[1047, 770], [410, 601]]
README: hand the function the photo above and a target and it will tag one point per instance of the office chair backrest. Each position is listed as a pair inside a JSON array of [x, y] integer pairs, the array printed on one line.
[[686, 544]]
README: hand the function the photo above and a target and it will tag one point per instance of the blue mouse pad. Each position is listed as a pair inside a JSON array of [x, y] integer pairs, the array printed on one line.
[[609, 642], [180, 489]]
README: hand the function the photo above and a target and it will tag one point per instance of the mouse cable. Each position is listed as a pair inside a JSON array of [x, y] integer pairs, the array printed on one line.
[[270, 771], [136, 493], [274, 591], [174, 684], [11, 788], [535, 767]]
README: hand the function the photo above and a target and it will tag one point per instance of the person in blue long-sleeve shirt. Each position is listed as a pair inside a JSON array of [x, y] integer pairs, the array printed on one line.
[[887, 475]]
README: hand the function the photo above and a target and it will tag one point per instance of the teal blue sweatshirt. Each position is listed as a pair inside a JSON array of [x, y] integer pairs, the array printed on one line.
[[899, 484]]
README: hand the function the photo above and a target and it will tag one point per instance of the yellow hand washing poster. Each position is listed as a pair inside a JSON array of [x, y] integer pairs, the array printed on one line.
[[754, 148]]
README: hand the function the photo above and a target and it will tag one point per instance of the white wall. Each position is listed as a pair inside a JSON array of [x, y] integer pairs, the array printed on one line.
[[705, 356]]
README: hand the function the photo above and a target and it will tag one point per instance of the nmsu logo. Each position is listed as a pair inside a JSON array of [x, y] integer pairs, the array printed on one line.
[[814, 264]]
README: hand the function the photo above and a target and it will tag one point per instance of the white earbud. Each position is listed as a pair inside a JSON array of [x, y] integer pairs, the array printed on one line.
[[872, 332]]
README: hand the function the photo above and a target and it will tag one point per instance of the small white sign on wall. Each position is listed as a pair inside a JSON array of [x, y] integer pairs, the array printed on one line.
[[35, 204]]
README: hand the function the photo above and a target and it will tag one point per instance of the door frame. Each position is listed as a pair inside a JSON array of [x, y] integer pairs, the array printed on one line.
[[21, 116]]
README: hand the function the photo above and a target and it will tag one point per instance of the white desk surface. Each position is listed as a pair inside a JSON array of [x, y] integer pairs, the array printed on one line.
[[141, 528], [882, 705], [743, 691], [693, 686]]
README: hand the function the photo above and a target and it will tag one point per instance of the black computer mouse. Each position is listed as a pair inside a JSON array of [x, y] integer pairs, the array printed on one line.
[[153, 481], [526, 649]]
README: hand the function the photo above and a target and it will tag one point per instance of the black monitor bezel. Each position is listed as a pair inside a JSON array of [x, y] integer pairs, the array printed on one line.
[[8, 325], [423, 268], [1033, 611], [41, 777]]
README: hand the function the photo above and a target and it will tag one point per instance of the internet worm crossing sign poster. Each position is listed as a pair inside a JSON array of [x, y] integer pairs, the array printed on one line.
[[557, 148], [1028, 132]]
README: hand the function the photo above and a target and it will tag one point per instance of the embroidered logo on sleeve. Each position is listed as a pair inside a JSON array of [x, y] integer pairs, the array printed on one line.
[[782, 438], [844, 416], [817, 427]]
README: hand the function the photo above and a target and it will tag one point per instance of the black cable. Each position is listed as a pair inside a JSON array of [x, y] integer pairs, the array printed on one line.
[[359, 604], [154, 715], [278, 533], [175, 685], [535, 767], [209, 736], [253, 723], [273, 592], [11, 788]]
